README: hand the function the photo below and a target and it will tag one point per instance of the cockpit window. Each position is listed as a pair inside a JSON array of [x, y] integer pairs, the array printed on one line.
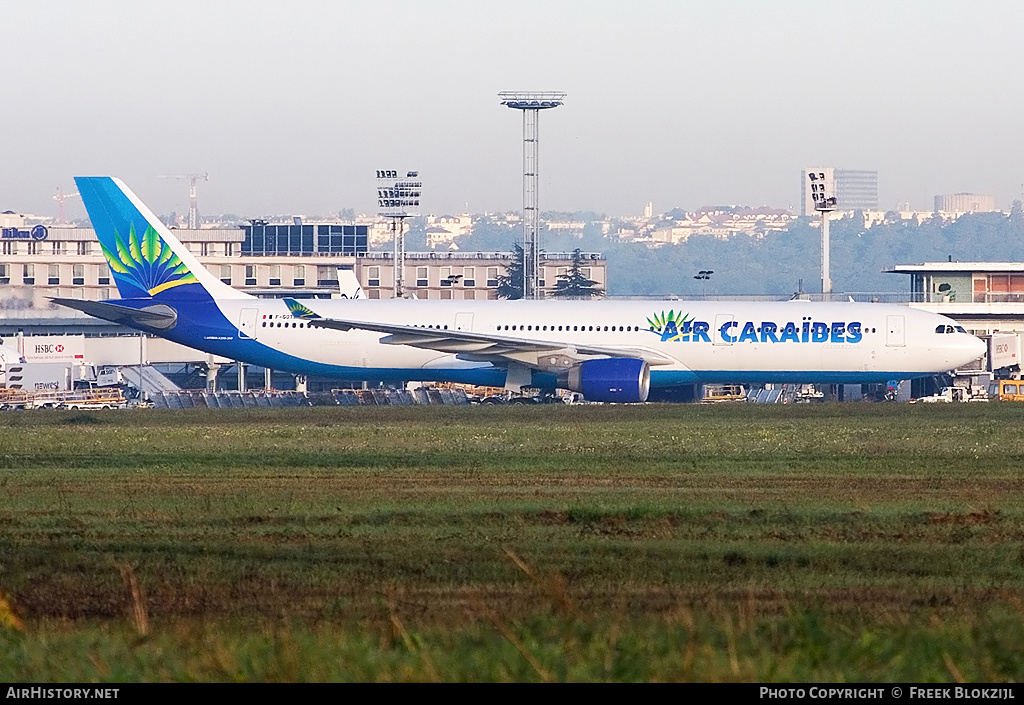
[[960, 329], [948, 329]]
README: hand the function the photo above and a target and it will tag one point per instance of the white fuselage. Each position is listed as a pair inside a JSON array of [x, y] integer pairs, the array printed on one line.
[[713, 341]]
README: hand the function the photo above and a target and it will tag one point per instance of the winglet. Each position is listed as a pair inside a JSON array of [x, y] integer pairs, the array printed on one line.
[[300, 310]]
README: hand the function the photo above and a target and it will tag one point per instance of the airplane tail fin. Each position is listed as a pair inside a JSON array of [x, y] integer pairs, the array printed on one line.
[[145, 259], [348, 284]]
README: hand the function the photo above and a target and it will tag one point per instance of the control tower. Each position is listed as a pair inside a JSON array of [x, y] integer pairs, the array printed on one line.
[[531, 103]]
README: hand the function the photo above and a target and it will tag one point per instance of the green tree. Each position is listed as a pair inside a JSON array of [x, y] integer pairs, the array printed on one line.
[[573, 285], [510, 284]]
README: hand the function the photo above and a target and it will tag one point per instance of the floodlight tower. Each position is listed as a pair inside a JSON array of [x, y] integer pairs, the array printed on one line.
[[823, 193], [531, 103], [397, 199]]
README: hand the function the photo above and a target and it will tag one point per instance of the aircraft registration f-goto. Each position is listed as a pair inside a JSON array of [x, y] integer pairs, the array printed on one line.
[[607, 350]]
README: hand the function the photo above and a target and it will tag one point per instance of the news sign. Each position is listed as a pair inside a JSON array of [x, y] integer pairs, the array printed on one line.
[[398, 196]]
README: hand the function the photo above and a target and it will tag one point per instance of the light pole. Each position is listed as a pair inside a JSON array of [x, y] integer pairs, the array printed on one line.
[[531, 103], [823, 193], [704, 275], [397, 199]]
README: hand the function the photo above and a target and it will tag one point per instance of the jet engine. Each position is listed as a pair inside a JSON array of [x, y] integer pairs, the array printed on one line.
[[613, 379]]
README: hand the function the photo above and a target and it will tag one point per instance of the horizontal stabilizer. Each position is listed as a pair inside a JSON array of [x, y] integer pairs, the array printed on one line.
[[159, 316]]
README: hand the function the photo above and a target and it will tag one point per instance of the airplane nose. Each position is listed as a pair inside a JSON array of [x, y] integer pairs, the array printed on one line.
[[978, 348], [972, 350]]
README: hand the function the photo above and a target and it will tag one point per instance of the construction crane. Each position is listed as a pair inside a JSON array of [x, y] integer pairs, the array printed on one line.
[[193, 210], [60, 198]]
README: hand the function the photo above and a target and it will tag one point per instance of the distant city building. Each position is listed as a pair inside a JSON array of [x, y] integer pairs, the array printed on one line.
[[965, 203], [855, 189], [720, 222], [445, 229], [567, 227], [10, 219]]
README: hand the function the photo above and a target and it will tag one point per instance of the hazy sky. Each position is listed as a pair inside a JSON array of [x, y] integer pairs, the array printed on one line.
[[292, 106]]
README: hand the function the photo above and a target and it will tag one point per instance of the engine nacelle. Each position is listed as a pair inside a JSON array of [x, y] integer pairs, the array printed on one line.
[[612, 379]]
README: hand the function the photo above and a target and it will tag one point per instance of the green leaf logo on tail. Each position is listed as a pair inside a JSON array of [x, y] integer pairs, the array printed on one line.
[[149, 263]]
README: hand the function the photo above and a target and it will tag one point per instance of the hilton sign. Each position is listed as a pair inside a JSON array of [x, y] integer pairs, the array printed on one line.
[[37, 233]]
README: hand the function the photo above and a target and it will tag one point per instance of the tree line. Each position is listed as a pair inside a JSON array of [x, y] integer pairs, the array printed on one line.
[[782, 262]]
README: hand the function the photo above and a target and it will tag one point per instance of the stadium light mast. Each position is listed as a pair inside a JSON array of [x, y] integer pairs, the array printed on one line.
[[823, 193], [398, 198], [531, 103]]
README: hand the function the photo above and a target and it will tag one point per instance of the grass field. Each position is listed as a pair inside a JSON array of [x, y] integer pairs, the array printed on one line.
[[821, 542]]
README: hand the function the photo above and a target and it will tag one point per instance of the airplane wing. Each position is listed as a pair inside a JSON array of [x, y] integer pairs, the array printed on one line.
[[483, 347]]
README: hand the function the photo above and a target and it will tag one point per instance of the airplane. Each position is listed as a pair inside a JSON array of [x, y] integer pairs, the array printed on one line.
[[9, 355], [610, 351]]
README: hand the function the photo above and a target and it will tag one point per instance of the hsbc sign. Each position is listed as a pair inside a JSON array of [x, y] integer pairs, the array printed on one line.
[[55, 348]]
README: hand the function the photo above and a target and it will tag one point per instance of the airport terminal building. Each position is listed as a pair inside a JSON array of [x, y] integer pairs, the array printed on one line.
[[296, 260], [299, 260], [984, 297]]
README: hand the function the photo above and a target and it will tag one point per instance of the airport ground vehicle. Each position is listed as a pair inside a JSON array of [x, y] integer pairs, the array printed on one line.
[[104, 398], [715, 393], [1007, 389], [948, 395], [39, 376]]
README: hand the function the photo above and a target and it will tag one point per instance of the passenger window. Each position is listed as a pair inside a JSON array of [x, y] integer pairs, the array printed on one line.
[[1010, 389]]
